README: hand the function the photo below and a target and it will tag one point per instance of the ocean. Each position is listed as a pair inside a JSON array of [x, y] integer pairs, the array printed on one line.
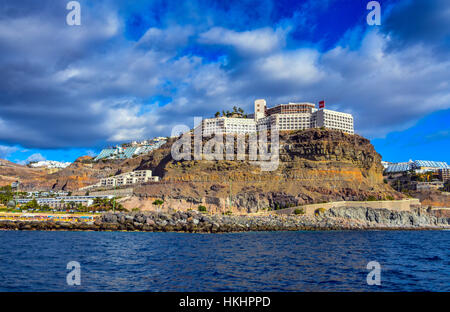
[[251, 261]]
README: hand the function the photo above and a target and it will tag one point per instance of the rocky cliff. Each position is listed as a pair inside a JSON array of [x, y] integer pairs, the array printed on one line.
[[315, 166]]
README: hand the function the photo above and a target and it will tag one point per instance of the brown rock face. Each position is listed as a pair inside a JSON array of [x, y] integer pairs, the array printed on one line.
[[432, 198], [315, 166], [11, 172]]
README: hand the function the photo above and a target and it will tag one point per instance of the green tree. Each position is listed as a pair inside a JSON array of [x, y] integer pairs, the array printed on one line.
[[447, 186], [32, 204], [158, 203], [72, 205], [6, 194], [217, 114]]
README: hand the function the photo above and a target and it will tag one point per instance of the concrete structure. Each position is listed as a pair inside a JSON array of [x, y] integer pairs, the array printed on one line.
[[397, 205], [427, 186], [284, 117], [129, 178], [444, 174], [122, 192]]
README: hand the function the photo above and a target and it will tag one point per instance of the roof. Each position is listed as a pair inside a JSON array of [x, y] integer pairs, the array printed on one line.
[[417, 164], [128, 153], [105, 153], [431, 164], [400, 167]]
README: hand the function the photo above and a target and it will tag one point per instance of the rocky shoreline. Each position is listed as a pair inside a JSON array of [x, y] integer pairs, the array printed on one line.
[[194, 222]]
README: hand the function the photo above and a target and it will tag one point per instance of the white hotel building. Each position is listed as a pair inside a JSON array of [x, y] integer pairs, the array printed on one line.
[[284, 117], [128, 178]]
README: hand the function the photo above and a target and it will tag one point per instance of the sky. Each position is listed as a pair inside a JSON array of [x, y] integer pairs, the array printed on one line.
[[134, 70]]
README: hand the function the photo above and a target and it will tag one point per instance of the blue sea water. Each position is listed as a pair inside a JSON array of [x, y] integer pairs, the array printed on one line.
[[253, 261]]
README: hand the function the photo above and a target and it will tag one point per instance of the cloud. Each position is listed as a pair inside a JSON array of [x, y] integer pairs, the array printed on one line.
[[247, 43], [5, 150], [91, 85], [32, 158], [419, 21]]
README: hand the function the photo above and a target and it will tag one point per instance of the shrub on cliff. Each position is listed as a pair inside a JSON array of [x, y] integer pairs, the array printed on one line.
[[319, 211], [201, 208], [299, 211], [371, 198]]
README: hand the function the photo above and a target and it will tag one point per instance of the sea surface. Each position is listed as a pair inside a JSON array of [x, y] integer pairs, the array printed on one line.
[[252, 261]]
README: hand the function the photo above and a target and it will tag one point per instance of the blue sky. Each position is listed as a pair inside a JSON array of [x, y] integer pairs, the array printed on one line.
[[134, 70]]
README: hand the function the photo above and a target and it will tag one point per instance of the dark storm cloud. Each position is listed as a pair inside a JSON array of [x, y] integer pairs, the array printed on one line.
[[419, 21]]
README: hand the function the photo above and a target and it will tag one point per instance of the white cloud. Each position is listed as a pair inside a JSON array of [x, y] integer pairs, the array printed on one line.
[[5, 150], [258, 41], [32, 158]]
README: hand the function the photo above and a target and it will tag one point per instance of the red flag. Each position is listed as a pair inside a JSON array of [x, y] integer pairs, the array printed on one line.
[[321, 104]]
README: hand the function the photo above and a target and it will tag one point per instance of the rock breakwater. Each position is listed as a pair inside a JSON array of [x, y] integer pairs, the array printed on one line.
[[195, 222]]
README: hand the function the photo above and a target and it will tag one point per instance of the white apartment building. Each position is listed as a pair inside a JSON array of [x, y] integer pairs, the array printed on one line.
[[228, 125], [63, 201], [334, 120], [128, 178], [284, 117]]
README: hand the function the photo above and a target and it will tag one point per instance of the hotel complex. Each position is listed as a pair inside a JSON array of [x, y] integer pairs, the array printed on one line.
[[131, 150], [128, 178], [63, 201], [124, 179], [292, 116]]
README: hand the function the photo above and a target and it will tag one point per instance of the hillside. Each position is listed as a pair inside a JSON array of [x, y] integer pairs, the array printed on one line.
[[315, 166], [81, 172], [11, 172]]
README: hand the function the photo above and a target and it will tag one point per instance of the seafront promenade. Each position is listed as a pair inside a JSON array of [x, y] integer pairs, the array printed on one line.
[[57, 217]]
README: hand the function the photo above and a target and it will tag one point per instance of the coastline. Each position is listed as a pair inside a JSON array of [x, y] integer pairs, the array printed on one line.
[[361, 218]]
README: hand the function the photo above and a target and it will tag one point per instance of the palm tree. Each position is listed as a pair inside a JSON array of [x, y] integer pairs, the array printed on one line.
[[217, 114], [158, 202]]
